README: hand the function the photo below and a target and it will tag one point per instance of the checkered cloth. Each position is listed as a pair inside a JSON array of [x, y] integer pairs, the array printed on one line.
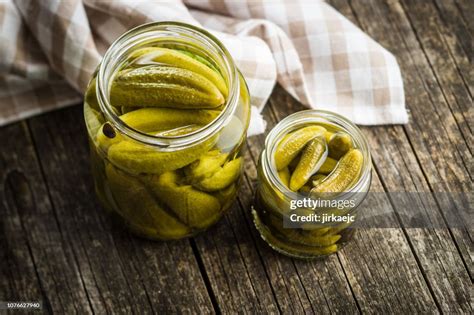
[[50, 48]]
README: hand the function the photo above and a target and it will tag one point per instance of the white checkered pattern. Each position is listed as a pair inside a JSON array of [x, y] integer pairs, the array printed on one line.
[[49, 49]]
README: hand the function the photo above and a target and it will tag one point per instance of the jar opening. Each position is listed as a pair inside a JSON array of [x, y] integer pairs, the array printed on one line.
[[167, 34], [307, 117]]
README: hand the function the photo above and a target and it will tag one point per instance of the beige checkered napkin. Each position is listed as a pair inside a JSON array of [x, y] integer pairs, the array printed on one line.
[[49, 49]]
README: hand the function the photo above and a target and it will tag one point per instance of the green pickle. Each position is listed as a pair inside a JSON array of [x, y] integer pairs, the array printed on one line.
[[195, 208], [165, 119], [138, 158], [138, 205], [312, 157], [293, 143], [164, 86], [226, 175], [316, 160], [339, 144], [167, 192]]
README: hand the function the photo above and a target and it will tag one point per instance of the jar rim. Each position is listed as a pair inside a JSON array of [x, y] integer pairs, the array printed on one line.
[[296, 120], [132, 38]]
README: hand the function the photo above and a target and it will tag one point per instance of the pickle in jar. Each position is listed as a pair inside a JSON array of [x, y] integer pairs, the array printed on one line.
[[167, 191], [316, 161]]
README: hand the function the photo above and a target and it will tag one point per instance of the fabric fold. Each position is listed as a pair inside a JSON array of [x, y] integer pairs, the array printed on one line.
[[310, 49]]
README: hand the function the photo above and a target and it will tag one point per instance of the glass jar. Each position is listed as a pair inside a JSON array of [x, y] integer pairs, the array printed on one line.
[[170, 171], [297, 223]]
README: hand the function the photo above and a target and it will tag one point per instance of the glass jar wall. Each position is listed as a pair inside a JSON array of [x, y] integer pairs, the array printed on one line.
[[313, 173], [167, 114]]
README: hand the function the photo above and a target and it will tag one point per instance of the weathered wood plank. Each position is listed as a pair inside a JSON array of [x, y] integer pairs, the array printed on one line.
[[233, 267], [450, 94], [463, 238], [246, 275], [433, 128], [374, 280], [35, 265], [457, 35], [421, 154], [237, 266], [458, 18], [233, 263], [434, 248], [127, 274], [333, 297], [466, 10], [59, 247]]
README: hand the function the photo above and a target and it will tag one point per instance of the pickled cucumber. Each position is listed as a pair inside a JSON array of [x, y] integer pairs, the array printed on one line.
[[167, 192], [294, 163], [159, 119], [319, 158], [328, 166], [139, 158], [200, 59], [344, 175], [184, 60], [164, 86], [291, 249], [293, 143], [226, 196], [317, 179], [339, 145], [315, 231], [195, 208], [138, 207], [328, 135], [339, 228], [297, 235], [312, 157], [298, 250], [207, 165], [222, 178]]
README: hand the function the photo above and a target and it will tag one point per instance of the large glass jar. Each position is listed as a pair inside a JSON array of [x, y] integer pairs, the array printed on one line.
[[167, 113], [313, 173]]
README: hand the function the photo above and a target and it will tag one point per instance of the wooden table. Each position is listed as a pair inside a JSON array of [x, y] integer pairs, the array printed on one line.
[[57, 245]]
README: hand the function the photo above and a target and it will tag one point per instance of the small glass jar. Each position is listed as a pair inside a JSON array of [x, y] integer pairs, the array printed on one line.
[[278, 211], [167, 185]]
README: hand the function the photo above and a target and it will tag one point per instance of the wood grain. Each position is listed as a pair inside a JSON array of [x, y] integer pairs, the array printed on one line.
[[421, 156], [59, 247], [369, 284], [35, 262], [121, 272]]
